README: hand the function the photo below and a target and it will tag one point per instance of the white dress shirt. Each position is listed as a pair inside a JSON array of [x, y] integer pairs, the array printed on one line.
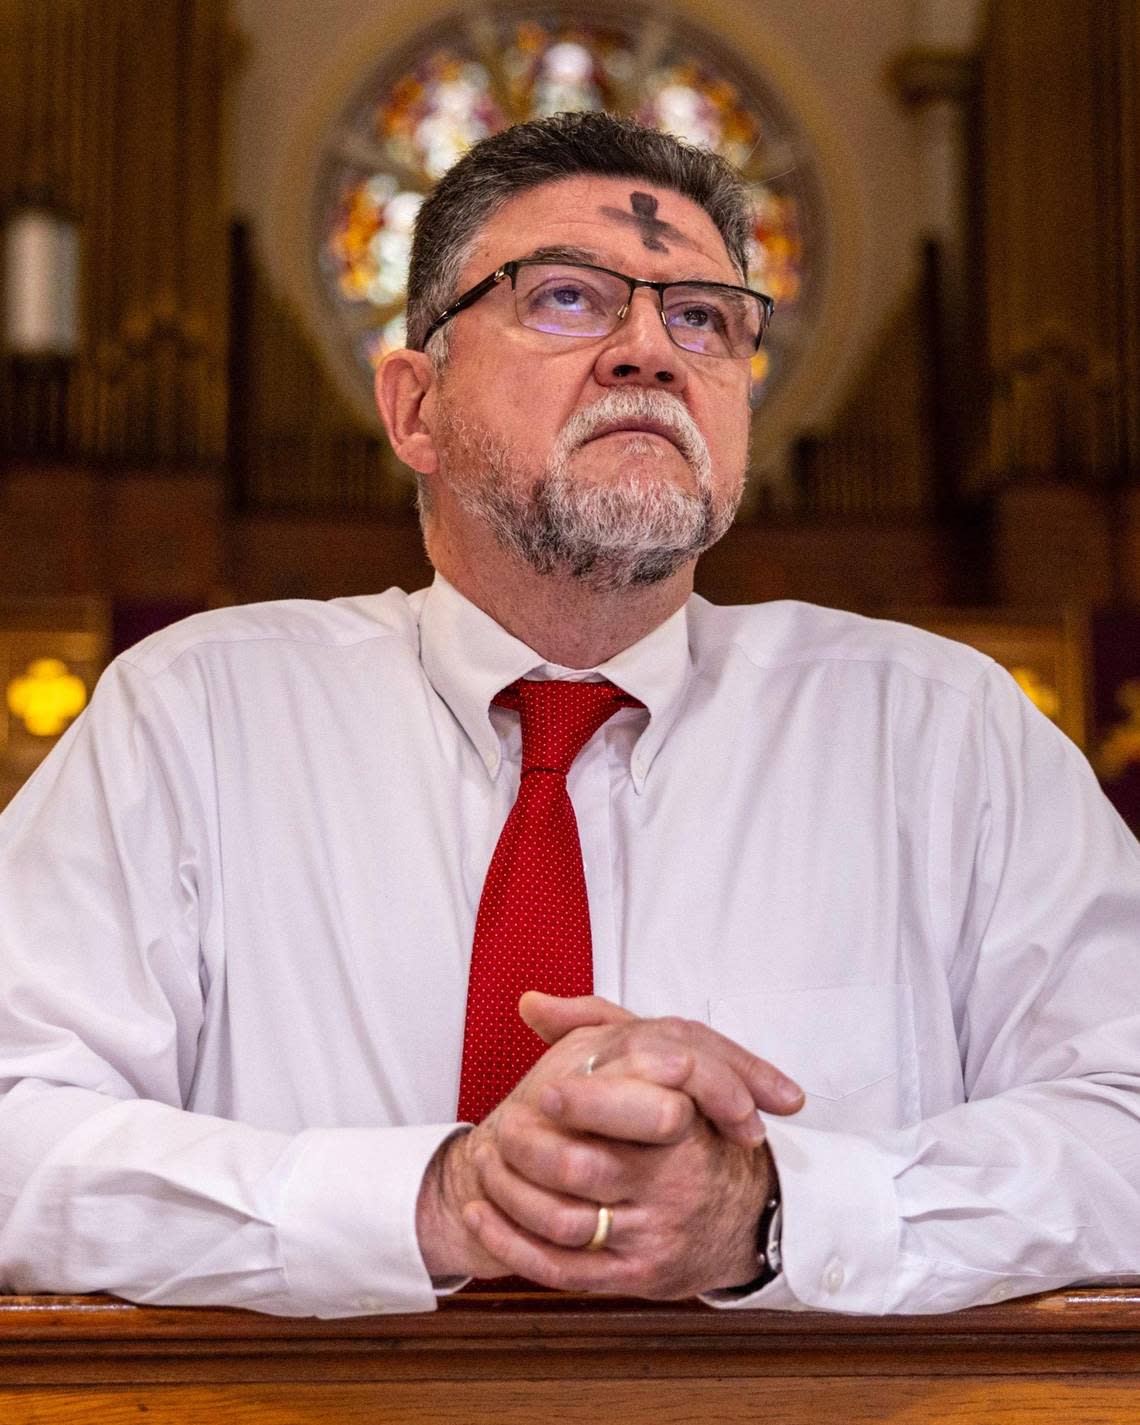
[[237, 905]]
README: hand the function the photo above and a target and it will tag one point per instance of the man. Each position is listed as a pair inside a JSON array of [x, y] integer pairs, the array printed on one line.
[[259, 912]]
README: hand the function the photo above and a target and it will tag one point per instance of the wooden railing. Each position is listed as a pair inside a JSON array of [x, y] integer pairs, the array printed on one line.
[[515, 1358]]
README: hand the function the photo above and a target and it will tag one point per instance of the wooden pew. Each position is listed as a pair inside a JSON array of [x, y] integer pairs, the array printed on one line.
[[505, 1359]]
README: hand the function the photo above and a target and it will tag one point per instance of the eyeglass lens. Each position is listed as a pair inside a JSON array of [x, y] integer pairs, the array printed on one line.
[[582, 301]]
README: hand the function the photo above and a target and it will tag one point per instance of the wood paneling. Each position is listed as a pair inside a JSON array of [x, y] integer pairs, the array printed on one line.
[[526, 1357], [879, 456], [1059, 113], [114, 111], [294, 444], [780, 1400]]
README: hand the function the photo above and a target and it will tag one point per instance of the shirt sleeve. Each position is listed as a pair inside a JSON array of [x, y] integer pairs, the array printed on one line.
[[107, 1183], [1033, 1182]]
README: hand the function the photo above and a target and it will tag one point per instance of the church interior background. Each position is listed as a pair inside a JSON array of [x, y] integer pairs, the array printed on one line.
[[206, 210]]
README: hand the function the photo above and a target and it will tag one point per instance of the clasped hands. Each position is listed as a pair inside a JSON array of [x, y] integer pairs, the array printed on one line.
[[664, 1130]]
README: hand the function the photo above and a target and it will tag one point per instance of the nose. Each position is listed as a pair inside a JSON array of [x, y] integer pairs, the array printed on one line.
[[640, 351]]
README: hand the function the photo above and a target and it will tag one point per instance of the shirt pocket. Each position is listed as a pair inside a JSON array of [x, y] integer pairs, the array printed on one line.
[[849, 1047]]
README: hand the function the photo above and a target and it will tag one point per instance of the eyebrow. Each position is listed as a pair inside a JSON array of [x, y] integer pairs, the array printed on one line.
[[561, 252]]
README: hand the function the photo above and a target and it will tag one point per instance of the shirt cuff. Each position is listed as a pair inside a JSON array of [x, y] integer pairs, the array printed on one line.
[[776, 1296], [840, 1239], [347, 1227]]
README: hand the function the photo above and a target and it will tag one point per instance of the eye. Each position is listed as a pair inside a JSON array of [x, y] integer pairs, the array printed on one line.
[[566, 295], [697, 316]]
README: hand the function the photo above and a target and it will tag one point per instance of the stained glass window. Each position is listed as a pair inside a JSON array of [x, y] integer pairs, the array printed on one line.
[[422, 109]]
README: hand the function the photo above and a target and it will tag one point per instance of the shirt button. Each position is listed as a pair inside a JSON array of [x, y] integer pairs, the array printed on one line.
[[1001, 1292], [833, 1276], [370, 1303]]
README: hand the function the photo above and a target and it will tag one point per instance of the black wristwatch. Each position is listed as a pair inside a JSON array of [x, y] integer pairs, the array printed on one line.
[[768, 1257]]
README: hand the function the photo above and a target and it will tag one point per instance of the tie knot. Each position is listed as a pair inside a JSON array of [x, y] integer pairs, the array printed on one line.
[[559, 718]]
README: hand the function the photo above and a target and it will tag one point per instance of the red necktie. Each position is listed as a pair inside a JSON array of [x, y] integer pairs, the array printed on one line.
[[532, 931]]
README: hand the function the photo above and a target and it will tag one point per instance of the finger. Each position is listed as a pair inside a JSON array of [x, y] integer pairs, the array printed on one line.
[[670, 1067], [552, 1017], [713, 1084], [631, 1109], [723, 1097], [772, 1090], [546, 1155], [728, 1082], [554, 1217], [538, 1261]]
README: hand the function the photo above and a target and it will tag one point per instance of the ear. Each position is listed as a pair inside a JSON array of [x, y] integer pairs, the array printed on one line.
[[403, 379]]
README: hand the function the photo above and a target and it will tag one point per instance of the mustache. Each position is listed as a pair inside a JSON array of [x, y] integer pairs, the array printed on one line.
[[628, 403]]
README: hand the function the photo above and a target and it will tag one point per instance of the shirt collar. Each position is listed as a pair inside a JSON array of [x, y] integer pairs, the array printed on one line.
[[468, 657]]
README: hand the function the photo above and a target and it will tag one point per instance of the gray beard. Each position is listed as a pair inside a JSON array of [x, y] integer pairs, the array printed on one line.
[[610, 535]]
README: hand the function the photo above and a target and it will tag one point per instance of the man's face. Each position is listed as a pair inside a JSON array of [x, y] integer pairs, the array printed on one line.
[[524, 421]]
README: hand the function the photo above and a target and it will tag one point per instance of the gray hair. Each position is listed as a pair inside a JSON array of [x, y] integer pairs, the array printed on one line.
[[545, 151]]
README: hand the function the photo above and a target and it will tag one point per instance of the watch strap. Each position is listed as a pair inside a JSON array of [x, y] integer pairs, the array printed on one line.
[[769, 1258]]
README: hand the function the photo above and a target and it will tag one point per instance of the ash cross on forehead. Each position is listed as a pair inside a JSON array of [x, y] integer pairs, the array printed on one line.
[[651, 228]]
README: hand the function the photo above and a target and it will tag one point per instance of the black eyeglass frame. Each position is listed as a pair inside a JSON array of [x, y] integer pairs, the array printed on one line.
[[511, 270]]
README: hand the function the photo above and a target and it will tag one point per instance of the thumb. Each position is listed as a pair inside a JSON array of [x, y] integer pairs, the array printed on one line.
[[551, 1017]]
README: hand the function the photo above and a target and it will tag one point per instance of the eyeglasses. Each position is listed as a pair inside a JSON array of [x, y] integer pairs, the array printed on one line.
[[578, 299]]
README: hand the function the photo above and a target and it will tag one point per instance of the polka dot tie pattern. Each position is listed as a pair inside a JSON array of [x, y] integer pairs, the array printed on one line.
[[532, 931]]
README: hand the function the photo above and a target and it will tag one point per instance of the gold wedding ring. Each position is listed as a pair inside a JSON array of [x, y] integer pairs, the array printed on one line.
[[602, 1230]]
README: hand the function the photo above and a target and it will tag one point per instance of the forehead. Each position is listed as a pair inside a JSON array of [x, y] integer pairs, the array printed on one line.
[[625, 223]]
